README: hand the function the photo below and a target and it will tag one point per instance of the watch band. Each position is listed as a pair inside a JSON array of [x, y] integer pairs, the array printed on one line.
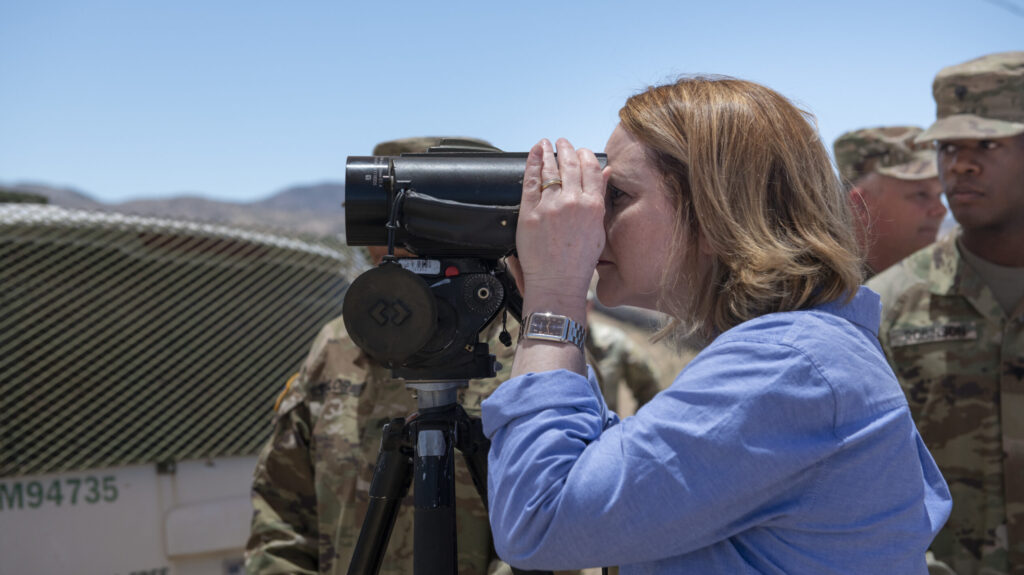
[[553, 327]]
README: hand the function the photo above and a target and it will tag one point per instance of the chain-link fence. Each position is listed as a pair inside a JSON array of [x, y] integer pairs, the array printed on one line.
[[128, 339]]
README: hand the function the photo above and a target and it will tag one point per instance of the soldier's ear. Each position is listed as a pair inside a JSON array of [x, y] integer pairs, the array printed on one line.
[[857, 201]]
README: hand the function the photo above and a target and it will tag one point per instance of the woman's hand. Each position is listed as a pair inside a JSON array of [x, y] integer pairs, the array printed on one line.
[[559, 240], [560, 234]]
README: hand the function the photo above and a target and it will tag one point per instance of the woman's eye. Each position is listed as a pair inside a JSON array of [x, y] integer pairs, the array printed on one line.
[[614, 194]]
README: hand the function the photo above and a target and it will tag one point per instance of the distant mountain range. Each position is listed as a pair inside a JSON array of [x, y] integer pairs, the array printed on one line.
[[303, 210], [313, 209]]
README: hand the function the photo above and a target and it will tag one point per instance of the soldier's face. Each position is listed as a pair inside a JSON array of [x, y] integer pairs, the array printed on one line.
[[903, 216], [984, 181]]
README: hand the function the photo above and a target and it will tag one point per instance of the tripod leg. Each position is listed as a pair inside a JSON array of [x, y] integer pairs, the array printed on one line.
[[474, 446], [434, 538], [391, 478]]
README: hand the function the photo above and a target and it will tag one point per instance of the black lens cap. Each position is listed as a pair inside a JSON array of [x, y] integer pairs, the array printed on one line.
[[390, 313]]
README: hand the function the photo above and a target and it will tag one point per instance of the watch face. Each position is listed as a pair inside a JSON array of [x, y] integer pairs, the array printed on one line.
[[547, 325]]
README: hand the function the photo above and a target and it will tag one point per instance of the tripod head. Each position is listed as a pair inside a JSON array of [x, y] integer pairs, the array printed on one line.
[[422, 317]]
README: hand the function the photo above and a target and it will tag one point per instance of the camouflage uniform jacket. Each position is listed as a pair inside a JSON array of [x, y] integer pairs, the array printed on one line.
[[311, 483], [960, 360], [617, 360]]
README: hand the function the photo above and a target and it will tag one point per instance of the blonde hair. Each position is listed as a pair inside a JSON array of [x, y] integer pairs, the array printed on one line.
[[760, 212]]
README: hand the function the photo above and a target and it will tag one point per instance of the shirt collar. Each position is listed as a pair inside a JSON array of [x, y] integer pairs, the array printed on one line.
[[865, 309]]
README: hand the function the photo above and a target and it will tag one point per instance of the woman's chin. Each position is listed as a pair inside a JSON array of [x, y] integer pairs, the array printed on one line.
[[608, 297]]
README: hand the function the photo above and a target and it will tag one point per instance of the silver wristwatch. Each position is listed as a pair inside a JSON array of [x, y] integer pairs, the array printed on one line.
[[552, 327]]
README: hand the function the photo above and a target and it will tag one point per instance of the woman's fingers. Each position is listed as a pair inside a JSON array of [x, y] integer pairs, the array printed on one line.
[[593, 194], [560, 233], [568, 166], [550, 180], [532, 176], [591, 176]]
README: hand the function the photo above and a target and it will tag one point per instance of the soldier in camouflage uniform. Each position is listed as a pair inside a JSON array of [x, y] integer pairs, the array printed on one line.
[[311, 483], [616, 360], [953, 324], [894, 190]]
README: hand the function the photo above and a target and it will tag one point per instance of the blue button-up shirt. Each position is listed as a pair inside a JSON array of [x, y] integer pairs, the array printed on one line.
[[785, 446]]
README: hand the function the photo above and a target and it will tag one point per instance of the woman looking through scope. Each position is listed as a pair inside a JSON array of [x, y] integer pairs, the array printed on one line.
[[786, 445]]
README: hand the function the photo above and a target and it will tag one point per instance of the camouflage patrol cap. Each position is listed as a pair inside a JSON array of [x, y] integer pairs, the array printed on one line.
[[421, 144], [981, 98], [887, 150]]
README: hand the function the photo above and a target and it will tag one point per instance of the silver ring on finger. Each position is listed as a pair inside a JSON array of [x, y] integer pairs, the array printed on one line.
[[552, 182]]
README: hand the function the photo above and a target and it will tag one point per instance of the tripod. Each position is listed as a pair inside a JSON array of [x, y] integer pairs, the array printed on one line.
[[421, 449]]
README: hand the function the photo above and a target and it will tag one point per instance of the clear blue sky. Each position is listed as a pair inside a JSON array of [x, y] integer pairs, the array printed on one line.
[[238, 99]]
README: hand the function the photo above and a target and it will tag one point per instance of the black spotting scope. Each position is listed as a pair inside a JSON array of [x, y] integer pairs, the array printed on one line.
[[455, 200]]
